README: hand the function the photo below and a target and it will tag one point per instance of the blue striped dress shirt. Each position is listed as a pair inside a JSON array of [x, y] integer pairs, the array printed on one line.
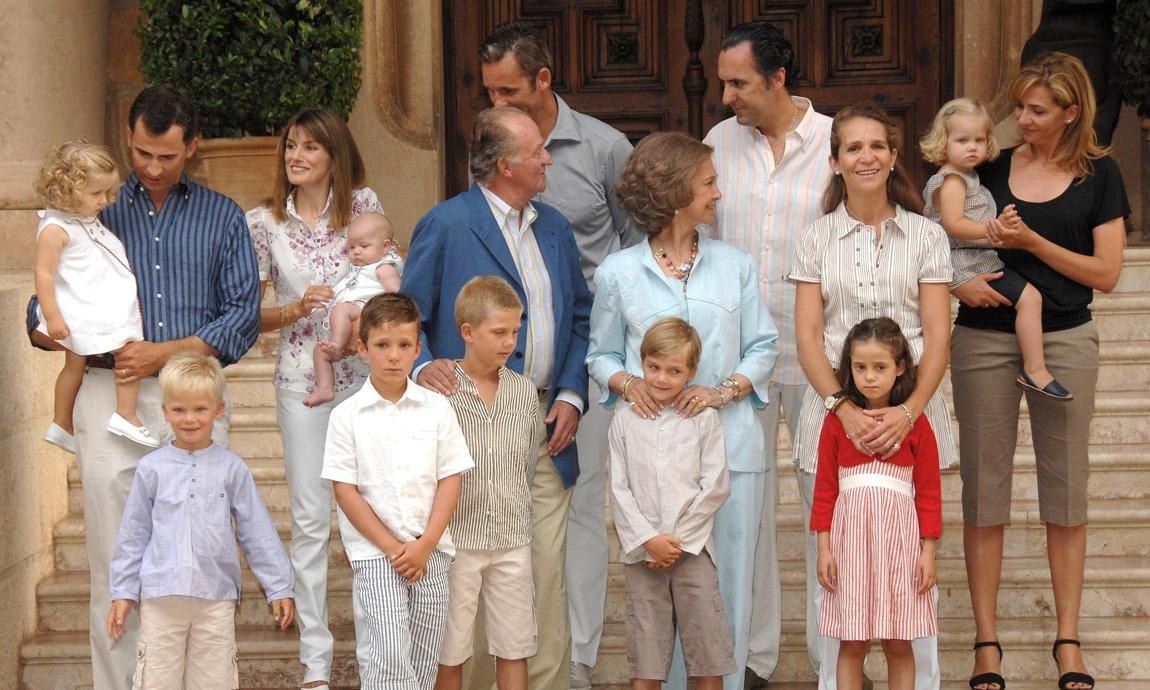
[[195, 267]]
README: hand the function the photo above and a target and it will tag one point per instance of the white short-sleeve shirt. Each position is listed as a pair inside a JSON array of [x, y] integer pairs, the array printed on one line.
[[395, 453]]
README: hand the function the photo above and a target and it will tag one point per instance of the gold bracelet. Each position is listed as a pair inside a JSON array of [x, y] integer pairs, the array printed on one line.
[[627, 381], [722, 398], [284, 320], [906, 410]]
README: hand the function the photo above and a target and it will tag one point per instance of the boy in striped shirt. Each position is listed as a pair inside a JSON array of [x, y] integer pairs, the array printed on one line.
[[499, 413]]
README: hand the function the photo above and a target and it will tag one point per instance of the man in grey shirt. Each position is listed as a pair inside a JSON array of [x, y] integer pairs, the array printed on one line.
[[588, 158]]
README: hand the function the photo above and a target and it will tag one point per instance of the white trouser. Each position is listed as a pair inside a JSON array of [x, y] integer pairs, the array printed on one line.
[[107, 464], [187, 643], [587, 533], [303, 430], [766, 601]]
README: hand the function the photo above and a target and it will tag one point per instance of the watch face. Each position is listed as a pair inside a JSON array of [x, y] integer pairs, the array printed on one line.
[[830, 400], [729, 383]]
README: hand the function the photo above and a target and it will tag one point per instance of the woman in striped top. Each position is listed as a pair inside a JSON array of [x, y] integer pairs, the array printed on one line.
[[877, 518], [872, 255]]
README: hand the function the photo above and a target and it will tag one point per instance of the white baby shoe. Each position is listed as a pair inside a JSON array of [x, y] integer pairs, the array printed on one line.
[[60, 438], [137, 434]]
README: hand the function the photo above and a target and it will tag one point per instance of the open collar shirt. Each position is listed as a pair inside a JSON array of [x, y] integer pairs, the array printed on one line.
[[395, 454], [765, 207], [176, 536]]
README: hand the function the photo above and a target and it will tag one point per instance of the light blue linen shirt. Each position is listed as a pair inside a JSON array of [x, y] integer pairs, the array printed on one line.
[[176, 537], [721, 301]]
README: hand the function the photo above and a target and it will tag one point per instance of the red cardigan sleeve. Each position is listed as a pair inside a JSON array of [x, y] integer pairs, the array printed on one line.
[[827, 474], [927, 479]]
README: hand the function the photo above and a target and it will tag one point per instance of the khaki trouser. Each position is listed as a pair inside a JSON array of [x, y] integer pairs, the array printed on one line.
[[187, 644]]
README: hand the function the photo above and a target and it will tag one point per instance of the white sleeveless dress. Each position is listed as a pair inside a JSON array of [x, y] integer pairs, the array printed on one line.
[[95, 287]]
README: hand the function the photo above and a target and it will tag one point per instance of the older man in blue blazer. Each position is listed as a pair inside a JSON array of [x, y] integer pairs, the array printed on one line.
[[495, 228]]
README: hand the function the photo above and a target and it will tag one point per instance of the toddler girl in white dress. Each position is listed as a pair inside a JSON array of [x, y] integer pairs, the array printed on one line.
[[84, 285]]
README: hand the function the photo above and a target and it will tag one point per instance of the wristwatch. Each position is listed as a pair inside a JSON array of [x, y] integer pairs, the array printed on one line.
[[731, 385], [832, 401]]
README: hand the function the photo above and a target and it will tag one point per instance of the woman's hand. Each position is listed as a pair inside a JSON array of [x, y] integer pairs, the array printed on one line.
[[1009, 231], [976, 293], [640, 400], [695, 399], [892, 426], [315, 297], [857, 425]]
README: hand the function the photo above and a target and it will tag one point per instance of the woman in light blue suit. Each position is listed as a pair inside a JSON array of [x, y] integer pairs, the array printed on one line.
[[669, 188]]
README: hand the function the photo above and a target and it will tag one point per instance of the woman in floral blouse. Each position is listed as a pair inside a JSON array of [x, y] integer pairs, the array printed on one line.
[[300, 238]]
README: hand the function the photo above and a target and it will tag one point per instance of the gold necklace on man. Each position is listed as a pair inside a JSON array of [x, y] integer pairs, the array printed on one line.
[[778, 157]]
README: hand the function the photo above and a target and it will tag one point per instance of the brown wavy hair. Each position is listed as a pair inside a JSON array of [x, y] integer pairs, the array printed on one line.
[[67, 170], [1069, 85], [882, 330], [899, 188], [656, 180], [330, 131]]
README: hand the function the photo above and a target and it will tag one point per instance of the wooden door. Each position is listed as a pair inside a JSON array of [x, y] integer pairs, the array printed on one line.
[[649, 65]]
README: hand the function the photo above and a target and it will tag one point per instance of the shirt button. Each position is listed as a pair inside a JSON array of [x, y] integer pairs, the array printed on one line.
[[160, 324], [157, 267], [158, 295], [157, 238]]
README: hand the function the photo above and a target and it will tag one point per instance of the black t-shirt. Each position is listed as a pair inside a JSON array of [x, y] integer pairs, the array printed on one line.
[[1067, 220]]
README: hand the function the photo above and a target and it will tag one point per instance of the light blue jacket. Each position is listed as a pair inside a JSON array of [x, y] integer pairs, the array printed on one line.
[[721, 301]]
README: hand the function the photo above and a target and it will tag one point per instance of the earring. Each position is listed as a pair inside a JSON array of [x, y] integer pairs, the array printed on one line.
[[892, 168], [838, 173]]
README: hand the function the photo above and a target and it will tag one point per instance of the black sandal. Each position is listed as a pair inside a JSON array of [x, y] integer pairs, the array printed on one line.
[[984, 679], [1070, 676]]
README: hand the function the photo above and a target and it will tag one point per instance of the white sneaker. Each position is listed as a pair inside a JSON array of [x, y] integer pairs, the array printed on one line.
[[60, 438], [137, 434], [580, 676]]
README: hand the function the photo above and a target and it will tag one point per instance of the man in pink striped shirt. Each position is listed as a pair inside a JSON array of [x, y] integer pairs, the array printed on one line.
[[772, 158]]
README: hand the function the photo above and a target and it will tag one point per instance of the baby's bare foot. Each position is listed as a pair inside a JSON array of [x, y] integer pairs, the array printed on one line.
[[319, 397]]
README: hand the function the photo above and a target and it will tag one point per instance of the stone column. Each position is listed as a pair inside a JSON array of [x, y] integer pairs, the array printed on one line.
[[52, 65]]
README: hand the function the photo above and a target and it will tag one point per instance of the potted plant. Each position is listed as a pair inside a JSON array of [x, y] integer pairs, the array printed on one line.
[[250, 65], [1132, 72]]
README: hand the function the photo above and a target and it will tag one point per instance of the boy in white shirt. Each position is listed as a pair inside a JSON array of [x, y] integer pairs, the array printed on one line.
[[500, 415], [668, 478], [394, 454], [176, 548]]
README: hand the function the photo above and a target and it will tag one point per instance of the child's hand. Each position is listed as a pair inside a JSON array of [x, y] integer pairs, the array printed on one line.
[[1009, 217], [284, 612], [410, 559], [117, 616], [664, 549], [57, 328], [828, 570], [925, 575]]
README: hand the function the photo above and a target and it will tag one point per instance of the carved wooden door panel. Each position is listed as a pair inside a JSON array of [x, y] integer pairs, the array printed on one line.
[[649, 65]]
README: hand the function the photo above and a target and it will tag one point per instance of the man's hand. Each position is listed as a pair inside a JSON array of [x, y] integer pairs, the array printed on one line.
[[439, 375], [565, 418], [118, 616], [284, 612], [139, 359]]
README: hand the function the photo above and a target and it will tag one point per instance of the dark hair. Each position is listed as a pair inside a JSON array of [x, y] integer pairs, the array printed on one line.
[[330, 131], [491, 140], [886, 332], [770, 47], [389, 308], [521, 40], [900, 190], [163, 107]]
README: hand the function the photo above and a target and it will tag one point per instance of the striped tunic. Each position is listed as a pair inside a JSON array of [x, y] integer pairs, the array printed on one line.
[[765, 207], [494, 508], [862, 278], [195, 268]]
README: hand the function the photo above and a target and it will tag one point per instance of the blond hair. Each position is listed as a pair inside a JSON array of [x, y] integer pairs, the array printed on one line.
[[67, 170], [190, 373], [671, 335], [482, 295], [379, 224], [1069, 85], [933, 145]]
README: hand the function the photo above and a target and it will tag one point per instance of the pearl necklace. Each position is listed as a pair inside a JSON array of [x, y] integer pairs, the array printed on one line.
[[681, 270]]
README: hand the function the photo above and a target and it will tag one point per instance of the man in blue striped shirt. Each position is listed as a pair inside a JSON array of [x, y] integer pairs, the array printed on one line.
[[198, 290]]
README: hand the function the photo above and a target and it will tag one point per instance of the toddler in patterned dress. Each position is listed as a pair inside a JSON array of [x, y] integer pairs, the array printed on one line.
[[961, 139], [85, 288], [375, 269], [877, 519]]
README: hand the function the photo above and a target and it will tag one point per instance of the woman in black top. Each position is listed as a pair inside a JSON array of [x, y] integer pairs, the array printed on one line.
[[1066, 240]]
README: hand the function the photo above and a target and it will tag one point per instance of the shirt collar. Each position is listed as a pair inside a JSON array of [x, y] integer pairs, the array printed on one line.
[[289, 206], [136, 189], [566, 129], [805, 128], [845, 224], [367, 396], [501, 209], [194, 453]]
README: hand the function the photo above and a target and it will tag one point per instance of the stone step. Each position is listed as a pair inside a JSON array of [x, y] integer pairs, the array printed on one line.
[[1115, 586], [1135, 270], [1125, 366], [1122, 317]]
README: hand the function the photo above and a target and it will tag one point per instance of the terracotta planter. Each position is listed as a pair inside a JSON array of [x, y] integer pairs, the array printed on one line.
[[243, 169]]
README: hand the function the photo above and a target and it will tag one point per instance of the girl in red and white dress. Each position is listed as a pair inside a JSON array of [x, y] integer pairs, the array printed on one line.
[[877, 518]]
